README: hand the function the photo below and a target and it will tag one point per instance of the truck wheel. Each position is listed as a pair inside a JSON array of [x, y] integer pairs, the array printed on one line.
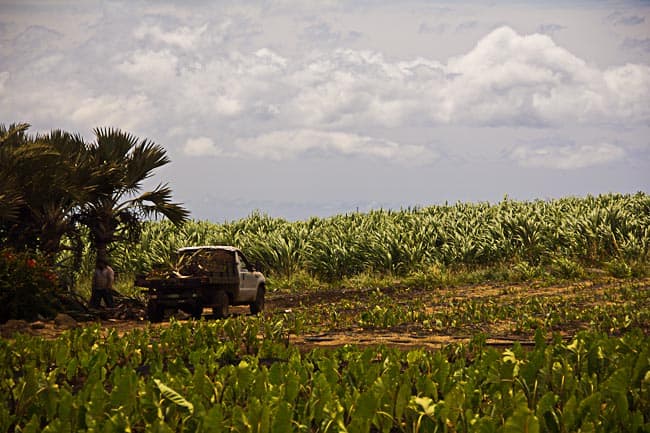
[[220, 310], [154, 312], [258, 305], [197, 311]]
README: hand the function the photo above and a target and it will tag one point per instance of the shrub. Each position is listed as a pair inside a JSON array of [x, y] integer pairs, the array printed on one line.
[[563, 267], [298, 281], [28, 287], [618, 268], [435, 275], [524, 271]]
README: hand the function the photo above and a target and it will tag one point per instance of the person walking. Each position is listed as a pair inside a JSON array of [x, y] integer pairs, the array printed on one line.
[[103, 279]]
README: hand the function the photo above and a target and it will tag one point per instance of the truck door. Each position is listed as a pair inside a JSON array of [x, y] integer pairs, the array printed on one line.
[[247, 280]]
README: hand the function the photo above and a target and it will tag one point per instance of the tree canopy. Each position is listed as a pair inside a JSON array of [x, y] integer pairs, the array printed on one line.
[[54, 185]]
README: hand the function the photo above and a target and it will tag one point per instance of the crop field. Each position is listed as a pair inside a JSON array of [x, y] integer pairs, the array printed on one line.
[[529, 239], [502, 314], [514, 317], [484, 358]]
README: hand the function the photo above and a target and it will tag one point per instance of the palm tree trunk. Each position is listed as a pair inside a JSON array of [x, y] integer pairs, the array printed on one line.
[[102, 252]]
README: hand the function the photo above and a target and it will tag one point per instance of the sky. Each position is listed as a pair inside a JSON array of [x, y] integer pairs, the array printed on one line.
[[302, 108]]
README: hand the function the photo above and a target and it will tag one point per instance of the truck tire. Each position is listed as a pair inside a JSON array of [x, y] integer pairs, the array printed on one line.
[[155, 313], [197, 310], [220, 310], [257, 306]]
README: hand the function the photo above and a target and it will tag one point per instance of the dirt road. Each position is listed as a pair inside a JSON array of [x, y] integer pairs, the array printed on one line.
[[350, 306]]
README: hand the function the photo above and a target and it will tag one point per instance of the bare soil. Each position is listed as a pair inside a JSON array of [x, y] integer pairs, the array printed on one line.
[[405, 336], [410, 336]]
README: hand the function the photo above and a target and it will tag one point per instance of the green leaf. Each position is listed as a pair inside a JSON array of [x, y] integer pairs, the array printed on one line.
[[402, 399], [65, 407], [454, 401], [546, 411], [175, 397], [292, 387], [424, 405], [619, 381], [124, 389], [71, 369], [159, 426], [569, 413], [33, 426], [213, 420], [365, 409], [485, 424], [282, 418], [522, 421], [588, 427], [546, 403], [589, 408], [62, 354], [6, 419], [257, 416], [54, 427]]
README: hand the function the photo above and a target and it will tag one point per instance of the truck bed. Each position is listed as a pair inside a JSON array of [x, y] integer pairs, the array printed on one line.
[[187, 282]]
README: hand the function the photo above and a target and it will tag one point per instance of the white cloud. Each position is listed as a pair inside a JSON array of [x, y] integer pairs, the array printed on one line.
[[347, 88], [155, 68], [568, 157], [343, 99], [227, 106], [275, 62], [201, 146], [631, 85], [4, 76], [332, 102], [127, 113], [509, 79], [506, 80], [290, 144], [181, 37]]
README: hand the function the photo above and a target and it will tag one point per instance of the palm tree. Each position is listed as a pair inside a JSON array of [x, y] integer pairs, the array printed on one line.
[[39, 188], [116, 207], [72, 182], [10, 156]]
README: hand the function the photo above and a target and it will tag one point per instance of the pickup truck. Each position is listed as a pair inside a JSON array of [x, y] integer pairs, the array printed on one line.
[[203, 277]]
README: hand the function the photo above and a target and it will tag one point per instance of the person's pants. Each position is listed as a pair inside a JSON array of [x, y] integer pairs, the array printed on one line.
[[99, 294]]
